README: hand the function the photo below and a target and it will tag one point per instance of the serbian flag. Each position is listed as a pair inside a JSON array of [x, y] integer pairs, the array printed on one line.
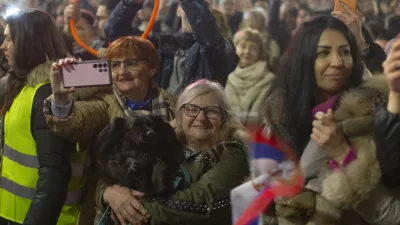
[[274, 174]]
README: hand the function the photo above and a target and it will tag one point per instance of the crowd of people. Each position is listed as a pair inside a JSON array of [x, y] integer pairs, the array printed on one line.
[[325, 82]]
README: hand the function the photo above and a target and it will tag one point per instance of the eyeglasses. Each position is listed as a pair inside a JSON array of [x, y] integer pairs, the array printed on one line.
[[211, 112], [129, 63]]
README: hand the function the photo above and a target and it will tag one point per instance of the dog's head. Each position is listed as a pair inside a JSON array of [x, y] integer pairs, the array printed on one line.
[[137, 133]]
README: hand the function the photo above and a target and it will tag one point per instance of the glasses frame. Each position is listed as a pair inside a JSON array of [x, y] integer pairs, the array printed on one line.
[[204, 109], [124, 62]]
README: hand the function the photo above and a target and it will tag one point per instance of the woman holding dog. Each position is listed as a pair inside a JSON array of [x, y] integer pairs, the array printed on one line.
[[216, 162], [80, 114], [324, 111]]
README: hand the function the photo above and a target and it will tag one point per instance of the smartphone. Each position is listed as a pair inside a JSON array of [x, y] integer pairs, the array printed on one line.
[[87, 74], [352, 4]]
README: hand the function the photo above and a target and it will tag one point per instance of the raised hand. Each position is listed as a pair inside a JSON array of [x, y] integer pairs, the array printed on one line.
[[354, 22], [329, 135], [61, 95], [391, 68]]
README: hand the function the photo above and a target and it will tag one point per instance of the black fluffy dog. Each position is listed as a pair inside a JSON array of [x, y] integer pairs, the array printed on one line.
[[139, 152]]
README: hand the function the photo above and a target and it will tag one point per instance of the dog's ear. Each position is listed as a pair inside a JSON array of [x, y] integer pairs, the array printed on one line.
[[161, 179], [113, 129], [108, 139], [161, 125], [116, 126]]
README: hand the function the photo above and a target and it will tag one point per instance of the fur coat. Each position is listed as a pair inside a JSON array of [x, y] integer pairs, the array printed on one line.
[[353, 195]]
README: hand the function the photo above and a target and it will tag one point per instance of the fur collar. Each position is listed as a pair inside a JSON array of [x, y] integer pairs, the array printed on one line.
[[356, 107], [40, 74]]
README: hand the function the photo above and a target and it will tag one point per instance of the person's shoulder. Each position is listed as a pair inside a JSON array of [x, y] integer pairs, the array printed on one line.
[[87, 93], [169, 98], [231, 147]]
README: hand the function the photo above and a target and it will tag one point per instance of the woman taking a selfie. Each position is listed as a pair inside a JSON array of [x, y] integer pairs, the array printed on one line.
[[133, 61], [42, 174]]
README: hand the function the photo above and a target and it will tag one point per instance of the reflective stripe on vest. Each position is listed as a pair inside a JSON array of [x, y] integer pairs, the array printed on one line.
[[28, 193], [19, 173], [32, 162]]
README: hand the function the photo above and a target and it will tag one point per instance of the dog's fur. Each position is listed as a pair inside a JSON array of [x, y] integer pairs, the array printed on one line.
[[139, 152]]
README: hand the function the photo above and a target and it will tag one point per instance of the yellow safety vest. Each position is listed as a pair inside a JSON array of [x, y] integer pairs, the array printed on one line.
[[19, 174]]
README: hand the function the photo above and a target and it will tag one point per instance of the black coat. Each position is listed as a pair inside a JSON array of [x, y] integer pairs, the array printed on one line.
[[388, 145], [208, 54]]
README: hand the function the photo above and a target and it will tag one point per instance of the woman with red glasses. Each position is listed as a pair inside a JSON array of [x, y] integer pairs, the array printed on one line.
[[134, 62]]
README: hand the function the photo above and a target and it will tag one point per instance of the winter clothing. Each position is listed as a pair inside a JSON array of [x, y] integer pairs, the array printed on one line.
[[52, 153], [246, 90], [388, 142], [92, 111], [207, 54], [213, 173], [354, 194], [100, 105]]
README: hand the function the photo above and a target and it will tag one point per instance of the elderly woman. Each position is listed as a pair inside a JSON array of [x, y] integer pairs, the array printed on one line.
[[216, 162], [323, 110], [256, 19], [249, 83], [134, 61]]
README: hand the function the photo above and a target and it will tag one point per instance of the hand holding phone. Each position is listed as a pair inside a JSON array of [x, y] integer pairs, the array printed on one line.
[[351, 4], [87, 74], [392, 71], [61, 95], [346, 11], [392, 67]]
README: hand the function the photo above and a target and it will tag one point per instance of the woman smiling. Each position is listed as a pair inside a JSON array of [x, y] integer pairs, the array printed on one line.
[[216, 162]]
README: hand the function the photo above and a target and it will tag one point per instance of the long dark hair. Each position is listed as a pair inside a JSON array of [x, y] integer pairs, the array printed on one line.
[[3, 60], [36, 39], [292, 92]]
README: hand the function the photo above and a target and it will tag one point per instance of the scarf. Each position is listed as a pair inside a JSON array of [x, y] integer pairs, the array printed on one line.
[[246, 89], [325, 106], [159, 105]]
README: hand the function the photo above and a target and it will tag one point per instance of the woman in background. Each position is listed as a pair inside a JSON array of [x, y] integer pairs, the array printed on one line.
[[249, 83]]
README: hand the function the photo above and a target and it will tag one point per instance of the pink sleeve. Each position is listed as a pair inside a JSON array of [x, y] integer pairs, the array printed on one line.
[[350, 157]]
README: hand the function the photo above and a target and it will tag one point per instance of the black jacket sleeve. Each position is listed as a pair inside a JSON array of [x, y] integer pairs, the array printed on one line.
[[219, 52], [375, 58], [54, 167], [388, 145], [120, 21]]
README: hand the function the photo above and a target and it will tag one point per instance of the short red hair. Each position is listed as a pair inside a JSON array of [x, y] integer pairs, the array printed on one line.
[[137, 47]]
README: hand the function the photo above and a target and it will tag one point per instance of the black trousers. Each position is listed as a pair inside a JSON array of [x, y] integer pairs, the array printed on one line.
[[7, 222]]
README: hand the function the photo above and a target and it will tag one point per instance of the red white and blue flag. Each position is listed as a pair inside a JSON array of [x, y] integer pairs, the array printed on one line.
[[275, 173]]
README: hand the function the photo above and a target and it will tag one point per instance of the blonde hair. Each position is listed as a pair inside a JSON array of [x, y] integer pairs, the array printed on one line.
[[249, 34], [231, 128]]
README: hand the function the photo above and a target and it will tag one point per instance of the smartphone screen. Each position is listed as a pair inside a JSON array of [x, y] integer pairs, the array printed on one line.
[[87, 74], [352, 4]]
